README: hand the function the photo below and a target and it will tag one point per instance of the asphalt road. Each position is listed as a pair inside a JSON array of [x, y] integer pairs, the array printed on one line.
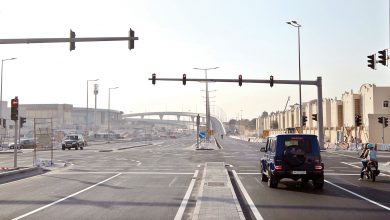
[[151, 182], [343, 196]]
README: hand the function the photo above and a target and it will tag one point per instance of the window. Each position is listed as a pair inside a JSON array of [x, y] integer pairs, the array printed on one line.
[[385, 104]]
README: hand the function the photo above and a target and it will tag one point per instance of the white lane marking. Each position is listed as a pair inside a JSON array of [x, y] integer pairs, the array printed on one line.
[[172, 182], [65, 198], [135, 172], [139, 164], [257, 180], [380, 174], [357, 195], [184, 202], [199, 196], [355, 157], [252, 206], [352, 165]]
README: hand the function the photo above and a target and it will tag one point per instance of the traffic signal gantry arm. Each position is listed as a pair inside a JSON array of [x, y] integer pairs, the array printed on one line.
[[72, 39], [297, 82], [317, 83]]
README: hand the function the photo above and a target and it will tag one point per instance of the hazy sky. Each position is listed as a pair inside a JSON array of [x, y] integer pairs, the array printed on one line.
[[240, 37]]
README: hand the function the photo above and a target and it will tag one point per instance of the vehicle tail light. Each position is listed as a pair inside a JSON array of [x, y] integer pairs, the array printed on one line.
[[278, 167], [318, 167]]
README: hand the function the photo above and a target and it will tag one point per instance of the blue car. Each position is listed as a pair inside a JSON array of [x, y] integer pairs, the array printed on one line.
[[294, 156]]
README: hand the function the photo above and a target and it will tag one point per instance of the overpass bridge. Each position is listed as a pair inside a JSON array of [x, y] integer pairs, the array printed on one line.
[[216, 123]]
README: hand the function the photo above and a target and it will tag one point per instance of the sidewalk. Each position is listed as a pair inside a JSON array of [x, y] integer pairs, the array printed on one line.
[[217, 199]]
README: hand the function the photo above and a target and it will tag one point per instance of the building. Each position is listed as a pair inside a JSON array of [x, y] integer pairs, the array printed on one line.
[[370, 103]]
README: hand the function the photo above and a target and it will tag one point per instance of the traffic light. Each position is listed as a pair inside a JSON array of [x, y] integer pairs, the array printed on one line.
[[314, 117], [371, 61], [240, 80], [304, 120], [386, 121], [358, 120], [4, 123], [382, 57], [71, 37], [154, 79], [380, 120], [131, 39], [271, 80], [184, 79], [22, 121], [14, 108]]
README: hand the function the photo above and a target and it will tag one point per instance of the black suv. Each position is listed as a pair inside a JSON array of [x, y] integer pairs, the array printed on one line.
[[73, 141], [294, 156]]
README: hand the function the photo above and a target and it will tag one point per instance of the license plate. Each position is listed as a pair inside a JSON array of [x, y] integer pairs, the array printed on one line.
[[299, 172], [68, 145]]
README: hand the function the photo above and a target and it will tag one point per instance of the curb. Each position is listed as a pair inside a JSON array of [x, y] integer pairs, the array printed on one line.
[[18, 171]]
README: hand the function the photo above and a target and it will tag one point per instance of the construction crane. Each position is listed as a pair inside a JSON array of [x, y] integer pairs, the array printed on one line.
[[288, 99]]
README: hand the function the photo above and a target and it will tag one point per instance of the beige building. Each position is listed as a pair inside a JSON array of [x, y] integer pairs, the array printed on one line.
[[371, 102]]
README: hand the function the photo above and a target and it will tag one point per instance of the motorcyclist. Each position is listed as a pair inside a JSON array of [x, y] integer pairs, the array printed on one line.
[[364, 160], [372, 151], [368, 155]]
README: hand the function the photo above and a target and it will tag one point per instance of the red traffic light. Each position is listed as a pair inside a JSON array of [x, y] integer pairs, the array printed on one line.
[[14, 102]]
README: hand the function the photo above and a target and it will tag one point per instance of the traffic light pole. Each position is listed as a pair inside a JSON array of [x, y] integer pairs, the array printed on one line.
[[383, 130], [16, 145], [317, 83]]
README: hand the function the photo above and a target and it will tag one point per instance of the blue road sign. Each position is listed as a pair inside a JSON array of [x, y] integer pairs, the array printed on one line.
[[202, 135]]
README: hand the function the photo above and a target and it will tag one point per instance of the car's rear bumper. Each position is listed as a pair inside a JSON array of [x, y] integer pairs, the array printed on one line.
[[298, 174]]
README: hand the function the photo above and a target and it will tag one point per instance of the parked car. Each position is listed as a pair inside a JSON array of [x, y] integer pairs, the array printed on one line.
[[295, 156], [73, 141], [24, 144]]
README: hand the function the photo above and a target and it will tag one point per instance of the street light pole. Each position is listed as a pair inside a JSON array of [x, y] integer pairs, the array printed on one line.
[[86, 120], [108, 114], [1, 94], [207, 102], [295, 24]]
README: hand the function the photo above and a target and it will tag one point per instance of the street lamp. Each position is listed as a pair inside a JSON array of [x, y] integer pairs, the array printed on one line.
[[1, 92], [295, 24], [207, 102], [86, 121], [108, 113]]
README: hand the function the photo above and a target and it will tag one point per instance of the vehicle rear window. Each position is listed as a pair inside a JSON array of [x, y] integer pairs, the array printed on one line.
[[303, 143]]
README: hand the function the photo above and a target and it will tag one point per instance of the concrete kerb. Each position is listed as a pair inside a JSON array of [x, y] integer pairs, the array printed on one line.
[[20, 173]]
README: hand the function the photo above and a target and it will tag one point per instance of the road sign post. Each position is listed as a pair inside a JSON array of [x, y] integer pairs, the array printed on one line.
[[197, 130]]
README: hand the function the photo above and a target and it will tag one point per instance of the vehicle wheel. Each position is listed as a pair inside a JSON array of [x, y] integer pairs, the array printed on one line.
[[372, 175], [264, 177], [68, 148], [272, 180], [63, 148], [318, 183], [77, 147], [82, 147]]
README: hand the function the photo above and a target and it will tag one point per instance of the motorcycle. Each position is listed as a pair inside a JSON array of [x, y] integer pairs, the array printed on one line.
[[372, 171]]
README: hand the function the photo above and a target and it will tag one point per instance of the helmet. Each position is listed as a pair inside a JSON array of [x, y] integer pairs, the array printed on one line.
[[369, 146]]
